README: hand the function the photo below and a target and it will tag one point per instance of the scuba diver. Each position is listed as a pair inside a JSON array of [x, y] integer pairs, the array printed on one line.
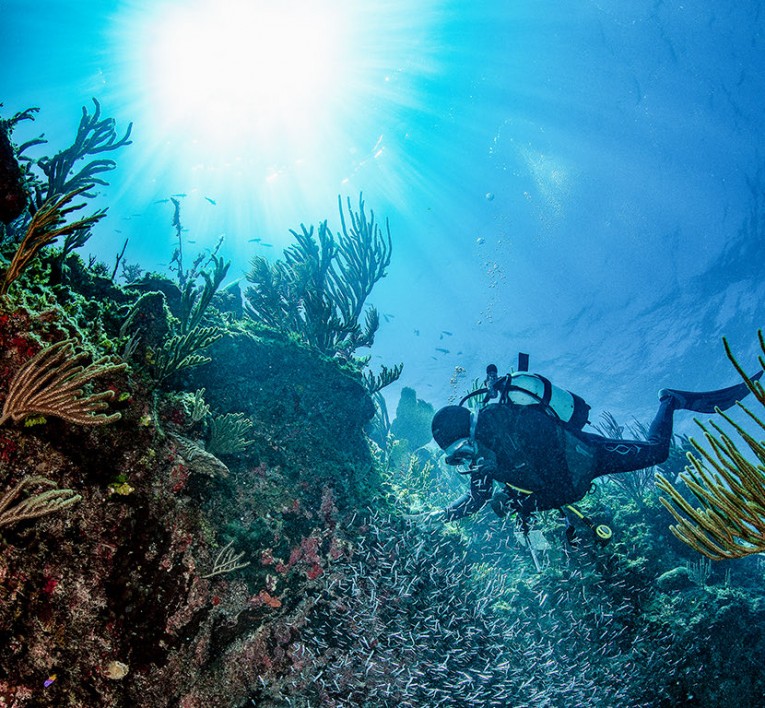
[[527, 435]]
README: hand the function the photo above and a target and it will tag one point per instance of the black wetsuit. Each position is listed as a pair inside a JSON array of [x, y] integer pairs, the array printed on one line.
[[528, 448]]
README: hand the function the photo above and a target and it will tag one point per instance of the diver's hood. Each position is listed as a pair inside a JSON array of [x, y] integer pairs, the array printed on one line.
[[450, 424]]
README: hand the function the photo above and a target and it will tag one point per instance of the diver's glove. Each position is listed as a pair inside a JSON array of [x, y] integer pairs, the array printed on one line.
[[500, 503]]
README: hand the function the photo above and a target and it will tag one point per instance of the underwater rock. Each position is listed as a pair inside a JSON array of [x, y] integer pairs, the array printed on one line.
[[308, 413], [230, 300], [153, 283], [413, 417], [13, 197], [411, 427], [149, 319], [675, 579]]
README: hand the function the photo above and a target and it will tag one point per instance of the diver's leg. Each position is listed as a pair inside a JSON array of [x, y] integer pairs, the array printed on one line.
[[626, 455]]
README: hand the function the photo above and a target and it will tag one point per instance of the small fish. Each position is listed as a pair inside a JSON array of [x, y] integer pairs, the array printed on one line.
[[267, 245], [254, 240], [388, 318], [212, 201], [417, 333], [181, 194], [49, 680], [448, 334], [161, 201], [190, 241], [442, 350]]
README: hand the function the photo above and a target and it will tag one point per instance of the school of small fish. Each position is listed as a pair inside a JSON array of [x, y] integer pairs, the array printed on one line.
[[410, 620]]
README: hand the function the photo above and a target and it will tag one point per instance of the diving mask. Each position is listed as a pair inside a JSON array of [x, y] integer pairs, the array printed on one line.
[[460, 452]]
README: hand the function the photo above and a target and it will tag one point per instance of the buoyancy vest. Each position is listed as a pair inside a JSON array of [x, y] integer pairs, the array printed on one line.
[[529, 445], [547, 465]]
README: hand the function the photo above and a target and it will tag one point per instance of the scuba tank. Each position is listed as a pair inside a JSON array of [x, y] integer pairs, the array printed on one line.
[[525, 389]]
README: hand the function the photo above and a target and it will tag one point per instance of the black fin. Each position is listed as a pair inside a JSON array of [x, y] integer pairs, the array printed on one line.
[[708, 401]]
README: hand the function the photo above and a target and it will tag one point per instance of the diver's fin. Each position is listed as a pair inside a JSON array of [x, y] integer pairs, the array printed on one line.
[[707, 401]]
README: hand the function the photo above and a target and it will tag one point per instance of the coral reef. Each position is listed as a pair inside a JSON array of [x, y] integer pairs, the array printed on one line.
[[52, 382], [138, 588], [138, 568], [46, 225], [318, 291], [37, 505], [729, 485], [14, 196]]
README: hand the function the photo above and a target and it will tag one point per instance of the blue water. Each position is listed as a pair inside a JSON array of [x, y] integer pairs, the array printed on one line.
[[582, 181]]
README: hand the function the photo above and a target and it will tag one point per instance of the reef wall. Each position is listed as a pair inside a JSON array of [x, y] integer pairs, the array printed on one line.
[[105, 601]]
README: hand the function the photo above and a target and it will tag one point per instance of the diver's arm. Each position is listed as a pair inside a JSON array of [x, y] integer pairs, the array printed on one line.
[[472, 501]]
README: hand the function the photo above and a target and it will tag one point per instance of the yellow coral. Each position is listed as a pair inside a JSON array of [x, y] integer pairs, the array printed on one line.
[[730, 523]]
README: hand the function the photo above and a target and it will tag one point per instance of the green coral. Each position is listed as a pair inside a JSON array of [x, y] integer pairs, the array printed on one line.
[[229, 434], [167, 323], [195, 299], [182, 351], [318, 291], [95, 136]]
